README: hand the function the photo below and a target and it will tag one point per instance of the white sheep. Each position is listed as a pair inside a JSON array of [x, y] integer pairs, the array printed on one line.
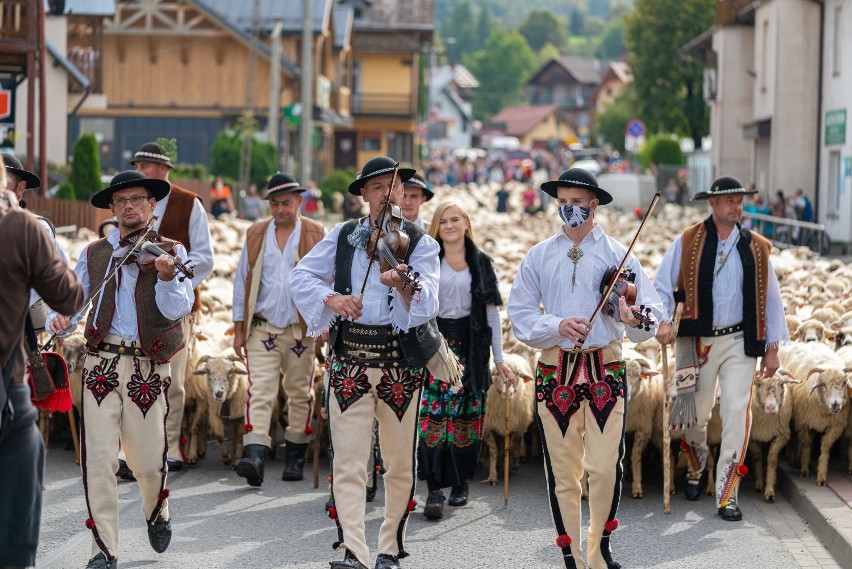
[[818, 400], [228, 391], [810, 330], [644, 405]]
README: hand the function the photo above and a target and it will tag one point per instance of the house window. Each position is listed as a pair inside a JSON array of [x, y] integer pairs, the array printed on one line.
[[837, 59], [835, 182], [371, 141], [401, 145]]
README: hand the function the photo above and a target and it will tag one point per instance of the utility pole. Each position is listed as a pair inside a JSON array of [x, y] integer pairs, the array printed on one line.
[[275, 90], [247, 131], [306, 95]]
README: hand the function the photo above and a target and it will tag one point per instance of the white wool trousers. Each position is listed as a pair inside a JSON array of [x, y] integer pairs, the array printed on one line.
[[271, 351], [177, 391], [580, 411], [125, 398], [357, 395], [723, 362]]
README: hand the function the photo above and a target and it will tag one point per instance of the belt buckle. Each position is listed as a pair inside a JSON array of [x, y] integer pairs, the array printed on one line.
[[363, 355]]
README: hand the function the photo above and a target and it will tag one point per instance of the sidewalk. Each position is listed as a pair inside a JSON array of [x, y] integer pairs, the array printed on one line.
[[826, 509]]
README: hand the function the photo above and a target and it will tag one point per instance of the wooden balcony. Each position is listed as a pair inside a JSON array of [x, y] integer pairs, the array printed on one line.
[[17, 33], [384, 104], [341, 100]]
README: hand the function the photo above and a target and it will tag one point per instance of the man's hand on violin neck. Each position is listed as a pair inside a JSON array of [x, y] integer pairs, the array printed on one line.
[[392, 277], [347, 306], [165, 266], [628, 318], [575, 329]]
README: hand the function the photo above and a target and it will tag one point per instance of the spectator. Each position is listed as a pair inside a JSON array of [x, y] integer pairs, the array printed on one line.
[[310, 207], [220, 196], [530, 199], [351, 207], [671, 191], [252, 205], [779, 209], [502, 200], [802, 205]]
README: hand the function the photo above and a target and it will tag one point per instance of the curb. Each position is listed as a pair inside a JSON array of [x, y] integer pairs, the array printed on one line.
[[828, 516]]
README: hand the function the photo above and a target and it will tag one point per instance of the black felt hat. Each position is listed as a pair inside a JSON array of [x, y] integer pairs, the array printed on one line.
[[417, 181], [377, 167], [151, 152], [725, 185], [14, 166], [130, 179], [282, 184], [577, 178]]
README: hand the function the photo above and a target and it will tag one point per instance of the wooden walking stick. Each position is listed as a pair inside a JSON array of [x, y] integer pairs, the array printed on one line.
[[318, 432], [506, 448]]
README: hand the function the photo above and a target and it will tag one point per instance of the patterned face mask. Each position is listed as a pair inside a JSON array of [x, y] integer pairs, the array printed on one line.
[[573, 215]]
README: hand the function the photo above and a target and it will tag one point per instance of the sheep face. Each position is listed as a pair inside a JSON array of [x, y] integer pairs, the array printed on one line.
[[638, 370], [771, 392], [810, 331], [843, 338], [831, 386], [221, 377]]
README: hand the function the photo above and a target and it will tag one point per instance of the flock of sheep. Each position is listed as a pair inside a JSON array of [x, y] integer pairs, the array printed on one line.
[[808, 395]]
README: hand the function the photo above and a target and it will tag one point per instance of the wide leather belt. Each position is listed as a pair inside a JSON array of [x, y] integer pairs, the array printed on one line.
[[121, 350], [729, 330], [369, 343]]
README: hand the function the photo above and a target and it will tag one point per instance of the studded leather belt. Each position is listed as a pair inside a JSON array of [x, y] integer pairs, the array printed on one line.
[[121, 350], [369, 343], [728, 330]]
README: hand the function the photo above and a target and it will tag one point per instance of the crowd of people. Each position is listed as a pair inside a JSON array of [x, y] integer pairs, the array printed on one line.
[[408, 352]]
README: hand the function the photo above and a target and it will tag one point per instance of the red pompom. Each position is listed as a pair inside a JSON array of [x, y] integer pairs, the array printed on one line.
[[329, 479], [412, 505], [742, 470], [563, 541], [684, 445], [183, 441], [308, 430], [611, 525], [164, 494], [332, 513], [638, 212], [90, 523], [378, 468], [248, 427]]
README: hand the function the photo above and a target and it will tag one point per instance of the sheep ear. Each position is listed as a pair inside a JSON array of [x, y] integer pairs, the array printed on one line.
[[527, 378], [200, 371], [240, 371], [201, 337]]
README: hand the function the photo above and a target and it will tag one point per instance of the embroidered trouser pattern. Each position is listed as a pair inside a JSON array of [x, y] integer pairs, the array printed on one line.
[[580, 411], [355, 396], [733, 371], [270, 352], [124, 398]]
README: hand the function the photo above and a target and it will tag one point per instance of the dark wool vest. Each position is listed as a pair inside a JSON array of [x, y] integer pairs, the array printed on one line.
[[695, 283], [343, 262], [159, 337], [175, 223]]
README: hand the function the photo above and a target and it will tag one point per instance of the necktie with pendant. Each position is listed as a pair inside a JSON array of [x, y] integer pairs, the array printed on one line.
[[574, 254]]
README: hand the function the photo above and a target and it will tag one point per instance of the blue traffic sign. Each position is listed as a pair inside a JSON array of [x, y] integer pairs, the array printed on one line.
[[636, 128]]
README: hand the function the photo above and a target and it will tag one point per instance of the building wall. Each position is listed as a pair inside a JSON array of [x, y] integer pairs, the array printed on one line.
[[834, 207], [607, 93], [545, 131], [731, 152], [386, 73]]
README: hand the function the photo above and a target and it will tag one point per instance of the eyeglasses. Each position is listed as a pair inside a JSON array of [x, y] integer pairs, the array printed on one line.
[[134, 200]]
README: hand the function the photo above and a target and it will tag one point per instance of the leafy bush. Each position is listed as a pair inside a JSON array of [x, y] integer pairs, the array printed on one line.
[[188, 172], [337, 181], [661, 149], [84, 181], [225, 158]]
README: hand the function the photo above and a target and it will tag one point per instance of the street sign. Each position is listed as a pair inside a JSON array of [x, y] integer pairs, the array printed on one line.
[[636, 128]]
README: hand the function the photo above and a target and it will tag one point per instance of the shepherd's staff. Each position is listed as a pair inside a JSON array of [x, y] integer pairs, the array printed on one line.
[[506, 447], [318, 431], [667, 436]]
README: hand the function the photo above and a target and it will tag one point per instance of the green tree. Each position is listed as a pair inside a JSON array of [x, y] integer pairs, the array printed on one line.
[[611, 125], [337, 181], [576, 22], [661, 149], [611, 41], [461, 28], [542, 27], [671, 89], [545, 54], [502, 69], [169, 146], [483, 26], [84, 181], [594, 26], [225, 158]]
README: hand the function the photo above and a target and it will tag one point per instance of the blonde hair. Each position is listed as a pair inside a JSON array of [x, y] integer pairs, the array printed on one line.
[[435, 226], [2, 174]]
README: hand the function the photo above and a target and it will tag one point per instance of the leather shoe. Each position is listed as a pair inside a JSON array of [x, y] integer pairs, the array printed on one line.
[[100, 561], [160, 534], [385, 561], [731, 512], [250, 466], [294, 462], [693, 490], [174, 465], [124, 471], [434, 509], [371, 493], [458, 495], [349, 562]]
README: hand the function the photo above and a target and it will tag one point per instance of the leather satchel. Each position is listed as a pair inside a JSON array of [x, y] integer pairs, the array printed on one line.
[[48, 376], [421, 343]]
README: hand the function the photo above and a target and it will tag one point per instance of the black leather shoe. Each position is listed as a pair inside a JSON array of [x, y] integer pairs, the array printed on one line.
[[294, 461], [251, 465], [371, 493], [694, 489], [124, 471], [174, 465], [434, 509], [99, 561], [731, 512], [458, 495], [160, 534], [349, 562], [385, 561]]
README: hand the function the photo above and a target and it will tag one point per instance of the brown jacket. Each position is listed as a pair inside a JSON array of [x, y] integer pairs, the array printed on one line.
[[30, 261]]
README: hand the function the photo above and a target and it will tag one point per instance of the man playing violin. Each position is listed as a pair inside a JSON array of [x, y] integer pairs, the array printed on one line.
[[365, 308], [134, 328], [581, 384], [269, 332]]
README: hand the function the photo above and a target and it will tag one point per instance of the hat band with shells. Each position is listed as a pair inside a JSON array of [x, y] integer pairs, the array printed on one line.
[[283, 186], [141, 154]]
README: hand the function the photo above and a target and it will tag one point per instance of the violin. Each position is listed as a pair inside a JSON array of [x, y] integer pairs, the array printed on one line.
[[144, 251], [392, 247], [624, 286]]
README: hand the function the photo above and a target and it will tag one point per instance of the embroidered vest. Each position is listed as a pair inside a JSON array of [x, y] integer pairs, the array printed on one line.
[[159, 337], [343, 262], [175, 224], [695, 283], [312, 233]]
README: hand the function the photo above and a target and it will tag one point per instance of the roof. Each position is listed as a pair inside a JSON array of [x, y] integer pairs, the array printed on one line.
[[622, 71], [521, 119], [584, 70], [241, 13], [88, 7]]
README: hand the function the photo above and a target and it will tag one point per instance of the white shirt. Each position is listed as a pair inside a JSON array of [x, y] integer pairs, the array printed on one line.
[[312, 282], [544, 278], [420, 223], [34, 297], [174, 298], [727, 289], [201, 256], [454, 301]]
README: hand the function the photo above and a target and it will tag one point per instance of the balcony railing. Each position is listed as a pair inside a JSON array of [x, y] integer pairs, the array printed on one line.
[[383, 104], [88, 60], [14, 24]]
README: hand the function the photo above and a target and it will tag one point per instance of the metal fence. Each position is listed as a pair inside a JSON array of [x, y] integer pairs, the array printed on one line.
[[786, 233]]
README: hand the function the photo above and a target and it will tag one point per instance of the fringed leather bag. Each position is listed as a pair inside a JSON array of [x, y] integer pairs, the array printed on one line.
[[48, 376]]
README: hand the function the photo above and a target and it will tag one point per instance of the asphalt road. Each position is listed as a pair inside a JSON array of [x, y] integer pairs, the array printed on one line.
[[219, 522]]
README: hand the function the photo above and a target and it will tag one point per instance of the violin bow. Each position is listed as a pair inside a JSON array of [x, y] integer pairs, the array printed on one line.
[[608, 290], [109, 277], [379, 222]]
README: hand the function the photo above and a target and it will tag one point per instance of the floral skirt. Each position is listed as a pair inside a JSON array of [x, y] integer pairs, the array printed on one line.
[[450, 424]]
